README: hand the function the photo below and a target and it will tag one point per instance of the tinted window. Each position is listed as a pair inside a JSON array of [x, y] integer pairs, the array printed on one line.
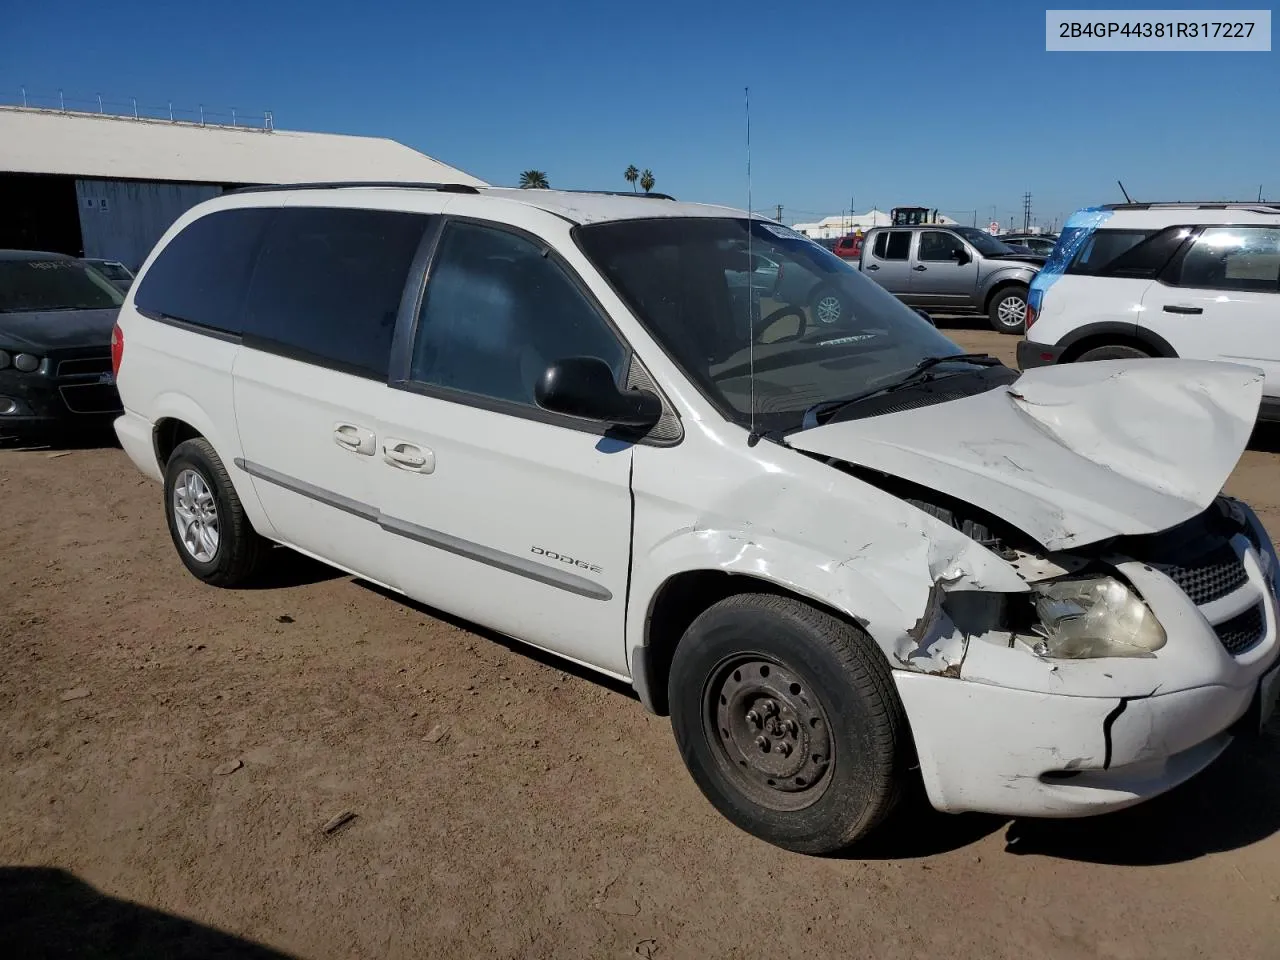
[[937, 245], [201, 275], [53, 285], [1233, 258], [1097, 253], [986, 244], [328, 283], [682, 279], [881, 242], [899, 245], [497, 313]]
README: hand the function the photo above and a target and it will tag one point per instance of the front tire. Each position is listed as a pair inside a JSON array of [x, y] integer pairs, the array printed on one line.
[[788, 721], [1008, 310], [207, 522]]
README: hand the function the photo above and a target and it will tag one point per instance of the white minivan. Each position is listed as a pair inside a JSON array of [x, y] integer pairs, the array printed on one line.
[[1195, 280], [840, 555]]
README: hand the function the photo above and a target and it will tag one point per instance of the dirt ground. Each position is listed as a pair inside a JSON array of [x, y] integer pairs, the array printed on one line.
[[172, 751]]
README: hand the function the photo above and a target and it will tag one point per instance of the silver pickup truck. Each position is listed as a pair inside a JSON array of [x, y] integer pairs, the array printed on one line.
[[952, 269]]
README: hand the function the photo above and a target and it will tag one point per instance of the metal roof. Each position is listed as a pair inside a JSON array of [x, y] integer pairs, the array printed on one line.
[[113, 147]]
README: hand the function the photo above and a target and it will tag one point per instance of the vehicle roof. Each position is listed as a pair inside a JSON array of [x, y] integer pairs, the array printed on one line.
[[576, 206], [32, 255], [1158, 215]]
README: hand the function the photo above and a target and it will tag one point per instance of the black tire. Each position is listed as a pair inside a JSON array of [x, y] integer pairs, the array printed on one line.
[[824, 667], [828, 306], [1113, 351], [239, 549], [1005, 298]]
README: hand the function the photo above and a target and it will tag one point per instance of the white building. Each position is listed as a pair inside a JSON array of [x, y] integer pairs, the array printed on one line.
[[830, 228], [100, 185]]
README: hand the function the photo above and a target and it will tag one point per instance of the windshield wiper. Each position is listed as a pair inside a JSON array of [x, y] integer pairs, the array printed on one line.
[[919, 372]]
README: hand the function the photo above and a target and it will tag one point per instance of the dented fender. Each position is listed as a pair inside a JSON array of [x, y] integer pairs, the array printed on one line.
[[819, 533]]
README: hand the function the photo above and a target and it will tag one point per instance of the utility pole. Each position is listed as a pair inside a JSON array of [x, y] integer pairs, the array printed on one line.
[[1026, 211], [779, 216]]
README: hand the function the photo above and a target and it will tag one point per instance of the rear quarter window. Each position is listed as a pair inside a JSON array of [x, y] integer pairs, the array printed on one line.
[[201, 274], [1101, 249]]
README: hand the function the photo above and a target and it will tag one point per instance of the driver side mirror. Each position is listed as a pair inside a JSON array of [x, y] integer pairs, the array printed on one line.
[[961, 256], [584, 387]]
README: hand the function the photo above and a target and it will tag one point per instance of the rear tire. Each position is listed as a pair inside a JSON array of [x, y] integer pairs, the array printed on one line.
[[1113, 351], [1008, 310], [207, 522], [788, 720]]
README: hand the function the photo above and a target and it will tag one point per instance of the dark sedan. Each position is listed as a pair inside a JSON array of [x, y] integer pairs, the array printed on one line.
[[56, 316]]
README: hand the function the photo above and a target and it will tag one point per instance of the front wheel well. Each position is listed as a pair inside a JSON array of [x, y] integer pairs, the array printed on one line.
[[678, 603], [999, 288], [167, 434]]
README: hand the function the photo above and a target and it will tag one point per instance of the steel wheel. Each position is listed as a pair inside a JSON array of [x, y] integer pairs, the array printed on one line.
[[1012, 311], [769, 732], [195, 514], [829, 309]]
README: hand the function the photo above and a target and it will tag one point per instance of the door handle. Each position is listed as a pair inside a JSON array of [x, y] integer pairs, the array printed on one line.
[[1175, 308], [919, 266], [872, 266], [407, 456], [353, 437]]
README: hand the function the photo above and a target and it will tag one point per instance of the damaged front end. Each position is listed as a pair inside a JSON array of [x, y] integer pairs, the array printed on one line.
[[1082, 604]]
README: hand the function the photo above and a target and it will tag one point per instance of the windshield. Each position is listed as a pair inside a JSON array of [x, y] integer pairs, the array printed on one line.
[[822, 331], [986, 244], [40, 285]]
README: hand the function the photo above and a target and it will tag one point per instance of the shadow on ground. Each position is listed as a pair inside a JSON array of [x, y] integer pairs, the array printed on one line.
[[1233, 804], [284, 568], [515, 646], [48, 914], [96, 438]]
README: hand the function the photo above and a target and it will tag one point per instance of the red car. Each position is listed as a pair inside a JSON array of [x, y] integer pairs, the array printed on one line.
[[849, 248]]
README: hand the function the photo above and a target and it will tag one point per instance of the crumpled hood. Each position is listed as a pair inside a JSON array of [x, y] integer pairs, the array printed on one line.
[[1070, 454], [49, 330]]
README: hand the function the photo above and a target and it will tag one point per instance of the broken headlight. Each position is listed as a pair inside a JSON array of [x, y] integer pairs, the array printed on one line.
[[1094, 617]]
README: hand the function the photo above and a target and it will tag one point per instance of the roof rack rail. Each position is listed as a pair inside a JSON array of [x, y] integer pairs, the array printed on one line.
[[1264, 207], [624, 193], [341, 184]]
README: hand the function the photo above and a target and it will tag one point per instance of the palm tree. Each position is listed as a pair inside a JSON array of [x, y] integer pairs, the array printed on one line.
[[631, 176], [647, 181], [534, 180]]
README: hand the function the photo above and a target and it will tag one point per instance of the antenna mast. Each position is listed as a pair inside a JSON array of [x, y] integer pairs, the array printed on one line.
[[752, 437]]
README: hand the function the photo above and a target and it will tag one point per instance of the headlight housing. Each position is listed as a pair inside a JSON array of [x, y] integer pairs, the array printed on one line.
[[27, 362], [4, 359], [1094, 617]]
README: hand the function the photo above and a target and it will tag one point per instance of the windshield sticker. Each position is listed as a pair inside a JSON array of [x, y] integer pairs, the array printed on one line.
[[782, 233], [841, 340]]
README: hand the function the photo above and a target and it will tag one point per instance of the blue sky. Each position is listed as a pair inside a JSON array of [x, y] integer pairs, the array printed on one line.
[[951, 104]]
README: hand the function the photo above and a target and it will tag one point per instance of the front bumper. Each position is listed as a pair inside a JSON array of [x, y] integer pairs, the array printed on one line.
[[70, 390], [1019, 736], [1032, 354]]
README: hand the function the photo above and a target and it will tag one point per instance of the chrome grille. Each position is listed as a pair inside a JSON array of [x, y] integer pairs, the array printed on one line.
[[1209, 577], [1242, 631]]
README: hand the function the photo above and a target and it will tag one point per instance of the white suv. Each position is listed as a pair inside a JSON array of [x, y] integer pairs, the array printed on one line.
[[832, 551], [1198, 280]]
